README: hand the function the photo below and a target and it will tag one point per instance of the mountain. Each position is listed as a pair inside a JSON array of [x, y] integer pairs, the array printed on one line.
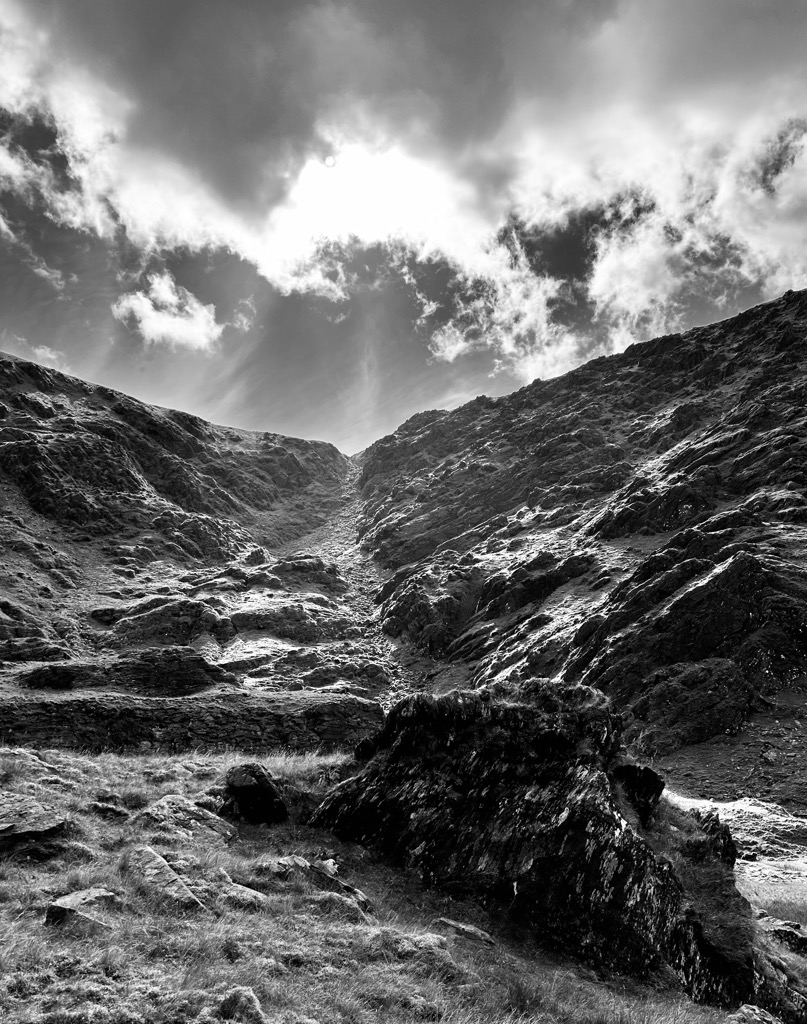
[[557, 627]]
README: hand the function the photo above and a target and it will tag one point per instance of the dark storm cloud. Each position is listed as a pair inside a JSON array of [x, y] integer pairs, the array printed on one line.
[[242, 92]]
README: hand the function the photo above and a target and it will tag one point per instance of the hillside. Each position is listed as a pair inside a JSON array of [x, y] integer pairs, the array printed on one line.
[[638, 525], [540, 660]]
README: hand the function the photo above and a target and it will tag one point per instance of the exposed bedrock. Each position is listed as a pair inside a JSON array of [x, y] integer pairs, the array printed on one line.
[[639, 524], [304, 720], [692, 650], [156, 672], [520, 808]]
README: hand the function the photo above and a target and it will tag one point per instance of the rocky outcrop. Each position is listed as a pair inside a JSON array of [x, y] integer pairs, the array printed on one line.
[[24, 820], [157, 672], [304, 720], [635, 524], [516, 806]]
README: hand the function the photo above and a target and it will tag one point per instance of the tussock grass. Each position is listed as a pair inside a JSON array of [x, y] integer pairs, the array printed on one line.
[[786, 909], [306, 955]]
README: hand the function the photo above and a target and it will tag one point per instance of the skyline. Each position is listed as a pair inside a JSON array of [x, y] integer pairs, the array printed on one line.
[[318, 219]]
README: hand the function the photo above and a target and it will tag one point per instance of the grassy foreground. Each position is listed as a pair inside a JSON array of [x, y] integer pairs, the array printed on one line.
[[305, 956]]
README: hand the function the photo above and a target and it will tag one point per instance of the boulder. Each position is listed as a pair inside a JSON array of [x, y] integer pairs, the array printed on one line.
[[25, 820], [183, 820], [251, 793], [84, 906], [161, 880], [514, 806]]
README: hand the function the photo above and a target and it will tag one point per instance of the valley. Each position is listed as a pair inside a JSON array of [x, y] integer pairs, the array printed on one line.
[[540, 659]]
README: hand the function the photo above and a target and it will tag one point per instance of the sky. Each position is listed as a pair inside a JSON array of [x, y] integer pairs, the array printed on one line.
[[319, 218]]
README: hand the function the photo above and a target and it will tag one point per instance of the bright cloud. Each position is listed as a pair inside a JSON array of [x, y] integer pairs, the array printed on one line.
[[427, 125], [169, 314]]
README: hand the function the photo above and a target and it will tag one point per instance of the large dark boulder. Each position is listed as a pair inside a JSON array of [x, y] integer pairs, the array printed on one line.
[[251, 793], [517, 806]]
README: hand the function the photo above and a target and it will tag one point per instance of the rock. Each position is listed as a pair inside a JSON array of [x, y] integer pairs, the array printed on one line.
[[787, 933], [320, 873], [106, 810], [241, 1004], [305, 720], [643, 788], [512, 805], [748, 1014], [717, 842], [224, 890], [159, 877], [467, 931], [251, 793], [25, 820], [183, 820], [337, 905], [174, 621], [84, 906]]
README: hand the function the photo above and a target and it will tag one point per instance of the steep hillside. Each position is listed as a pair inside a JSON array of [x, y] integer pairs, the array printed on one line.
[[638, 525], [577, 617], [146, 595], [98, 463]]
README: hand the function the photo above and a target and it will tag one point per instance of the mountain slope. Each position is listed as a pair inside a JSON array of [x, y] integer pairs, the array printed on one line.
[[609, 566], [639, 525]]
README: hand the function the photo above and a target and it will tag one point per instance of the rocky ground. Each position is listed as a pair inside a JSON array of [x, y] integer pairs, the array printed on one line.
[[569, 596]]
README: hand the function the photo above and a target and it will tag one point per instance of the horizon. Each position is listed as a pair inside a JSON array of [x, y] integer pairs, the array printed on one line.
[[324, 218], [360, 451]]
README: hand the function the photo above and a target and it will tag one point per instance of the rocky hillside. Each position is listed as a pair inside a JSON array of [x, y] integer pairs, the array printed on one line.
[[100, 464], [139, 604], [572, 619], [638, 525]]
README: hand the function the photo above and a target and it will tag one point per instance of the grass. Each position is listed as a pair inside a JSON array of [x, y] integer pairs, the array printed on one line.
[[786, 909], [304, 955]]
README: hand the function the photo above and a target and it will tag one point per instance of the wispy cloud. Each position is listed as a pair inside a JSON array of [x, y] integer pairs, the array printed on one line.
[[42, 354], [168, 314]]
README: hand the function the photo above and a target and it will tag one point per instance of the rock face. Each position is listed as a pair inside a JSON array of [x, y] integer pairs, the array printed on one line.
[[515, 804], [636, 525]]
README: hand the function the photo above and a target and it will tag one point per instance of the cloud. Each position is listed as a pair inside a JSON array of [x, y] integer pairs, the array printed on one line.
[[202, 125], [42, 354], [245, 313], [169, 314]]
